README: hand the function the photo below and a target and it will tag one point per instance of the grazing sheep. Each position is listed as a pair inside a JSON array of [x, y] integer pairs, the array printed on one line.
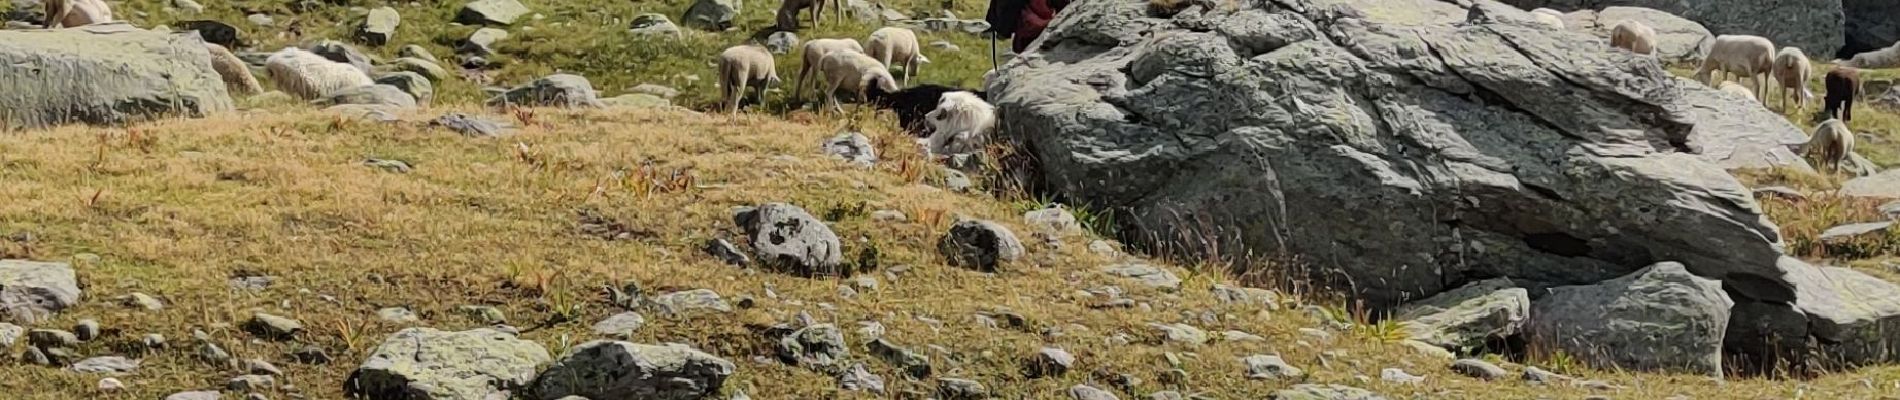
[[912, 104], [854, 72], [237, 76], [72, 13], [961, 124], [1843, 87], [1739, 55], [788, 12], [1549, 17], [1792, 72], [743, 65], [892, 44], [1833, 141], [815, 51], [1634, 36], [1738, 90], [309, 76]]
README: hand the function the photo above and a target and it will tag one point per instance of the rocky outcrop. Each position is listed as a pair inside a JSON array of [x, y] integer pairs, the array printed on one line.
[[621, 370], [104, 74], [35, 291], [1815, 26], [1489, 149], [1659, 319], [1870, 25], [1677, 39], [1842, 318], [425, 363]]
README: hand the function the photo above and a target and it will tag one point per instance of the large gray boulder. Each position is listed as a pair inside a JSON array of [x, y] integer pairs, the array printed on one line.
[[425, 363], [1659, 319], [620, 370], [1413, 154], [1677, 39], [1467, 317], [32, 291], [1815, 26], [104, 74], [1731, 133], [379, 26], [558, 90], [1842, 318], [787, 238], [1871, 24]]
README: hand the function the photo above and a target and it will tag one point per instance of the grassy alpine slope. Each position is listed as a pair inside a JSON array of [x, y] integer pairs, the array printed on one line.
[[537, 223]]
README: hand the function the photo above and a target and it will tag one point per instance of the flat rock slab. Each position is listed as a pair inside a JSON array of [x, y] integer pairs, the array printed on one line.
[[105, 74], [425, 363], [1468, 317], [32, 291], [1884, 185], [621, 370]]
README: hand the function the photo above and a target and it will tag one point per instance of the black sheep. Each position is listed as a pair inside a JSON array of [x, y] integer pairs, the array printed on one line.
[[1843, 86], [913, 103]]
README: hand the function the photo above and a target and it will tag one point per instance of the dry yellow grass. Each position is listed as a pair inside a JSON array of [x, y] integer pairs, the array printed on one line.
[[180, 207]]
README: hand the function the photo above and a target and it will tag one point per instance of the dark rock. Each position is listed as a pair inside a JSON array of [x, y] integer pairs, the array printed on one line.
[[621, 370], [980, 245], [371, 95], [818, 347], [214, 32]]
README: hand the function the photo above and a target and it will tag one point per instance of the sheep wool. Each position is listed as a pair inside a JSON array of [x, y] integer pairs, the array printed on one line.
[[237, 77], [814, 53], [1833, 141], [961, 124], [742, 66], [72, 13], [854, 72], [1792, 72], [1633, 36], [1742, 57], [1738, 90], [899, 45], [309, 76], [1843, 87]]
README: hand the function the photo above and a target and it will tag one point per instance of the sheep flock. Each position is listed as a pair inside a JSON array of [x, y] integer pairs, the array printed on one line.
[[958, 120]]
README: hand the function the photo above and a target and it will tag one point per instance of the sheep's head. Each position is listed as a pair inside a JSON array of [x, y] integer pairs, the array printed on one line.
[[882, 81]]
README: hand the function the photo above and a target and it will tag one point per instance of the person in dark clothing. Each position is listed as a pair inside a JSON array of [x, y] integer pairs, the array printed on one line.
[[1035, 17], [1843, 85]]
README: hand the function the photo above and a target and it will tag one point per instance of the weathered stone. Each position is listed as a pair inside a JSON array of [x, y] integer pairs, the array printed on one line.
[[782, 42], [981, 245], [914, 364], [818, 347], [428, 69], [1055, 219], [470, 126], [1247, 296], [1794, 23], [482, 42], [10, 334], [425, 363], [620, 326], [110, 73], [141, 301], [1659, 319], [1180, 333], [787, 238], [853, 147], [344, 53], [858, 378], [961, 389], [198, 395], [394, 166], [690, 302], [558, 90], [1270, 368], [1678, 40], [50, 338], [727, 252], [379, 26], [111, 385], [1399, 376], [273, 327], [105, 365], [1884, 185], [1467, 317], [499, 12], [712, 15], [86, 330], [1086, 392], [620, 370], [417, 86], [1049, 362], [654, 24], [371, 95], [1148, 275], [1850, 232], [215, 32], [251, 383], [1480, 369], [1324, 392], [636, 100]]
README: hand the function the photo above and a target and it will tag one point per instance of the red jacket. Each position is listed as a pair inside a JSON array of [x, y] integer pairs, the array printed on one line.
[[1035, 18]]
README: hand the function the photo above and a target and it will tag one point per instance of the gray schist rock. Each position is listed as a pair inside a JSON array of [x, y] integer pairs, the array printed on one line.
[[818, 347], [498, 12], [105, 365], [687, 303], [1324, 392], [33, 291], [558, 90], [782, 42], [1148, 275], [425, 363], [1678, 40], [980, 245], [654, 24], [620, 326], [344, 53], [712, 15], [1467, 317], [853, 147], [428, 69], [417, 86], [1661, 318], [1884, 185], [786, 238], [370, 95], [1843, 318], [1870, 25], [110, 73], [620, 370], [379, 26], [1815, 26], [1414, 150]]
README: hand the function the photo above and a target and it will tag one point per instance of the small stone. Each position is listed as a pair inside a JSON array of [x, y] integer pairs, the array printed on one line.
[[1539, 375], [858, 378], [853, 147], [483, 41], [1238, 336], [945, 46], [1325, 392], [483, 314], [311, 354], [142, 301], [86, 330], [620, 326], [889, 216], [105, 365], [258, 366], [197, 395], [1399, 376], [416, 52], [414, 84], [1086, 392], [260, 20], [817, 347], [152, 341], [1054, 219], [1146, 274], [34, 356], [251, 283], [690, 302], [1270, 368], [981, 245], [781, 42], [111, 385], [251, 383], [1181, 333], [10, 334], [273, 327], [211, 353], [50, 338], [914, 364], [500, 12], [398, 315], [961, 389], [379, 26], [1049, 362], [727, 252], [32, 291], [956, 181]]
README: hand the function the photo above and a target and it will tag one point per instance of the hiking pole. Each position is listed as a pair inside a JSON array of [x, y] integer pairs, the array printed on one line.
[[993, 63]]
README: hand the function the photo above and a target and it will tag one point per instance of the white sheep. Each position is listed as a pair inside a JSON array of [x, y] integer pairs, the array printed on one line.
[[1833, 141], [1738, 90], [961, 124], [1739, 55], [1549, 17], [741, 66], [237, 76], [1792, 72], [1633, 36], [71, 13], [309, 76], [815, 52], [854, 72], [893, 44]]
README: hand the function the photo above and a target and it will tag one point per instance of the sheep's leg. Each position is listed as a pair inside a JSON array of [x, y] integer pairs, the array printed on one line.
[[742, 75], [910, 68], [758, 92], [831, 96]]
